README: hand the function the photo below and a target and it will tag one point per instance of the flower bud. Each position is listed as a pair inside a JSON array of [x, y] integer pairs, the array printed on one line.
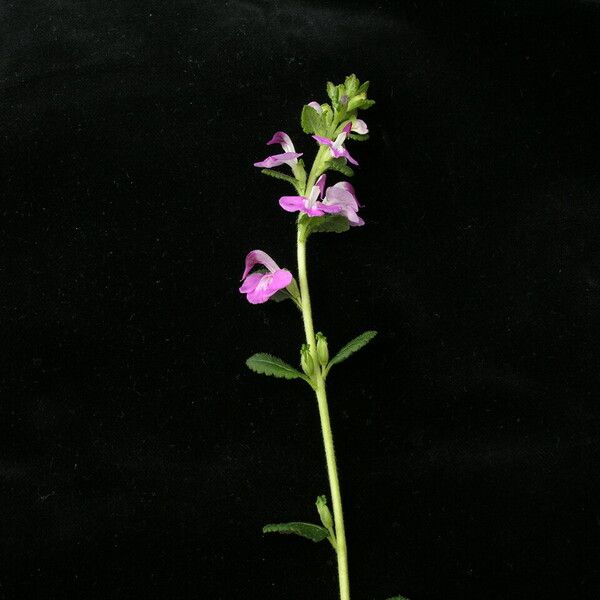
[[324, 513], [306, 360], [322, 349], [356, 101]]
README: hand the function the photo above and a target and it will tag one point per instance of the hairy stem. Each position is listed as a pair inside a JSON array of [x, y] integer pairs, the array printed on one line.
[[334, 484]]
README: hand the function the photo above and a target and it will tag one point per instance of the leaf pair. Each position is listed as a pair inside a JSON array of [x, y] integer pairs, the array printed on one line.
[[267, 364]]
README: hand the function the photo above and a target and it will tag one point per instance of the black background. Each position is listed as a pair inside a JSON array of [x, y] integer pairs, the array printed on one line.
[[139, 458]]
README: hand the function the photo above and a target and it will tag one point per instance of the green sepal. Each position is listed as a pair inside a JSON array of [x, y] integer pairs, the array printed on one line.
[[282, 176], [398, 598], [363, 88], [310, 531], [312, 121], [340, 165], [267, 364], [359, 137], [327, 115], [300, 173], [351, 347]]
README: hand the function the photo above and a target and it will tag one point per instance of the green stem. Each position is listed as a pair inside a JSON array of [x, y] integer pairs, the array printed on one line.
[[334, 484]]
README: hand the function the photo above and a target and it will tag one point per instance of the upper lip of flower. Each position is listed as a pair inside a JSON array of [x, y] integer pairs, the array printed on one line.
[[289, 155]]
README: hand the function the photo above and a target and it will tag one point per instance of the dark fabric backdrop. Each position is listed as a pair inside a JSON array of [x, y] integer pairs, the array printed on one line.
[[139, 458]]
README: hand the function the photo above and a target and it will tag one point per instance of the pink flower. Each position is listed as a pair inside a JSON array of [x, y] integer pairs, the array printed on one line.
[[337, 199], [343, 196], [336, 147], [309, 205], [259, 287], [288, 157]]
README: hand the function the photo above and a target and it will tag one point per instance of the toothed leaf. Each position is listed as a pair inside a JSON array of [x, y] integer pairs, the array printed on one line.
[[266, 364], [340, 165], [312, 532], [311, 120], [353, 346], [328, 224], [282, 176]]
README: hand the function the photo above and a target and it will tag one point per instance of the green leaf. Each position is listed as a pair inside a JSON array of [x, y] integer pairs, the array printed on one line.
[[351, 347], [266, 364], [340, 165], [316, 533], [398, 598], [311, 120], [283, 176], [332, 91], [328, 224], [365, 104], [351, 84]]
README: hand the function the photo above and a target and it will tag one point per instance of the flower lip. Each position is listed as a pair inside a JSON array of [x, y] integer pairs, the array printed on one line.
[[279, 159]]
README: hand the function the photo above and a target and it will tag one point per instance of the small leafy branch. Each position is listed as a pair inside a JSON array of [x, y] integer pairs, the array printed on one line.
[[321, 209]]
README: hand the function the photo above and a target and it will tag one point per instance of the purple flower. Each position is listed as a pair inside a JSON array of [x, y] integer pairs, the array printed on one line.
[[288, 157], [336, 147], [337, 199], [343, 196], [311, 204], [259, 287]]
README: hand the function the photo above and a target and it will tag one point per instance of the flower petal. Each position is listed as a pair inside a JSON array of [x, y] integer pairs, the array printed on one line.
[[281, 279], [278, 159], [354, 219], [359, 126], [292, 203], [269, 284], [250, 282], [347, 156], [321, 184], [316, 106], [338, 195], [323, 140], [330, 208], [281, 137], [258, 257]]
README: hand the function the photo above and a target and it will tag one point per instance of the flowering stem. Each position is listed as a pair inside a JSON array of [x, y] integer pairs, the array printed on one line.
[[319, 385]]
